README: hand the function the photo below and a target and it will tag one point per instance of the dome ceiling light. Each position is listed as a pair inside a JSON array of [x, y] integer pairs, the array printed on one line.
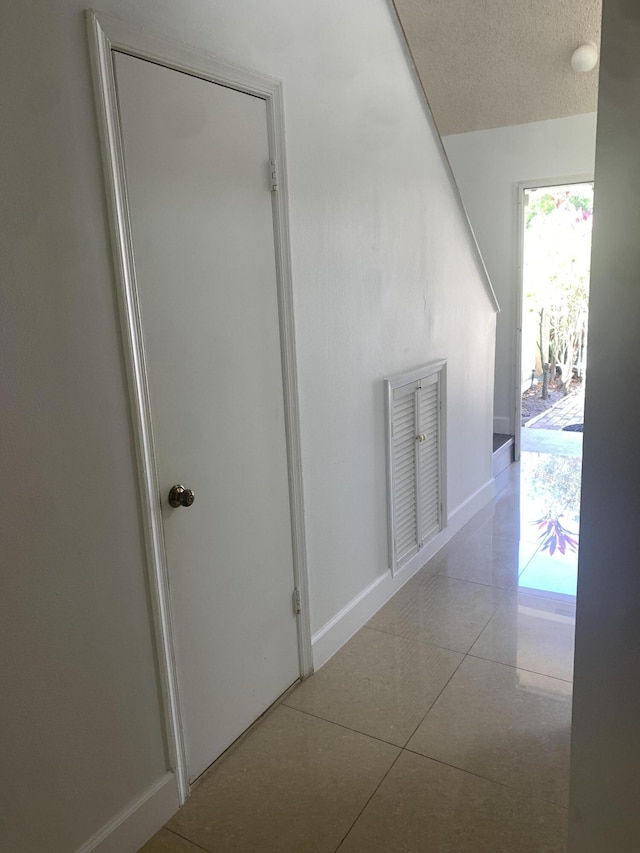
[[585, 57]]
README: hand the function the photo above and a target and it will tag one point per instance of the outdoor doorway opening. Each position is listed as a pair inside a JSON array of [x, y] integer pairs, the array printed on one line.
[[555, 239], [555, 231]]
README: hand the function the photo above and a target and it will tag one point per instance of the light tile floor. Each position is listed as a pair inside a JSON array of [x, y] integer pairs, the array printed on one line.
[[442, 726]]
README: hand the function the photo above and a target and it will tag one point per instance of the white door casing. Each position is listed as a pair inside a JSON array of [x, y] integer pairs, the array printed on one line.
[[259, 98]]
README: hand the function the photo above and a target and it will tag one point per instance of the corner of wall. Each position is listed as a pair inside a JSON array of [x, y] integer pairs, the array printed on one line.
[[504, 426]]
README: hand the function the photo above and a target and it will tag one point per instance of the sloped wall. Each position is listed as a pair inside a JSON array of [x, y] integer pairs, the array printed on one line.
[[385, 278]]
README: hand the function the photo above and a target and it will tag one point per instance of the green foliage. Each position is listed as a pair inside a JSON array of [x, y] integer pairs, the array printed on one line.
[[559, 200], [545, 204], [556, 272]]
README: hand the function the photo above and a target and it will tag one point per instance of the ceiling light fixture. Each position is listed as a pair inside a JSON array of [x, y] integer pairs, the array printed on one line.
[[585, 57]]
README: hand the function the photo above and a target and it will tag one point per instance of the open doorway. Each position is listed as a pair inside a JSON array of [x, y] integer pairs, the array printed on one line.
[[555, 233], [555, 253]]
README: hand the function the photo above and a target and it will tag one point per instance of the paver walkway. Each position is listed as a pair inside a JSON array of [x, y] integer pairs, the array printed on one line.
[[569, 410]]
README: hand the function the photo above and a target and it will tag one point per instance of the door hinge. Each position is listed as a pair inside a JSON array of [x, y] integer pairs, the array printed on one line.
[[297, 602], [273, 169]]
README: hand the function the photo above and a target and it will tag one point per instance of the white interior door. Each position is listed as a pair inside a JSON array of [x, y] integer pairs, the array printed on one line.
[[197, 171]]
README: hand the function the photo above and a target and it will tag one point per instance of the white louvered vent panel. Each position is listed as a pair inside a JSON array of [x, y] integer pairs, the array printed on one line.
[[405, 503], [428, 470], [415, 455]]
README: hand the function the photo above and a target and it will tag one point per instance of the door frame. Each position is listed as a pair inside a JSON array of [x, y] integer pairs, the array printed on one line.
[[521, 187], [107, 34]]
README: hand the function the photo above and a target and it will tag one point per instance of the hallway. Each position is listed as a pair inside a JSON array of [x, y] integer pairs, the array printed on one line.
[[443, 725]]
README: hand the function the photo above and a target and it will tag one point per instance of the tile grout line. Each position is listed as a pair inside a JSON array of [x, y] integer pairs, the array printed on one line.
[[467, 655], [519, 791], [343, 726], [476, 583], [405, 748], [464, 658], [373, 793], [444, 687], [413, 640], [520, 668], [184, 838], [486, 625], [400, 748], [512, 588]]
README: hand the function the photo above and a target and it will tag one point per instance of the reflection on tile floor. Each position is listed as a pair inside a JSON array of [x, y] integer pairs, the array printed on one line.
[[443, 725], [550, 489]]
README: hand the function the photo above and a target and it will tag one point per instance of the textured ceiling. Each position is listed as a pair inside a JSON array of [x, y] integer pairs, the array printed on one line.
[[491, 63]]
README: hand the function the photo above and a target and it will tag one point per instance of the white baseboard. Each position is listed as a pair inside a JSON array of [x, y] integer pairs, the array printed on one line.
[[503, 426], [134, 825], [337, 631], [504, 478], [472, 506]]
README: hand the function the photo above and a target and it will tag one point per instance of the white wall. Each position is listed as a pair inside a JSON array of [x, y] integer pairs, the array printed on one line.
[[487, 165], [605, 777], [385, 279]]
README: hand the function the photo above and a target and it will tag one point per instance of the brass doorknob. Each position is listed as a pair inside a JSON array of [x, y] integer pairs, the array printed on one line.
[[179, 496]]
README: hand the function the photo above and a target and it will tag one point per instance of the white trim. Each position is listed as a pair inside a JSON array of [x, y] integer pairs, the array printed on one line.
[[470, 508], [136, 823], [444, 427], [504, 478], [400, 379], [106, 34], [502, 426], [391, 383], [290, 377], [520, 188], [337, 631], [517, 415], [105, 93]]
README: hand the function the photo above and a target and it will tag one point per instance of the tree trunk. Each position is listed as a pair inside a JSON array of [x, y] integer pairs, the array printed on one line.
[[545, 380]]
